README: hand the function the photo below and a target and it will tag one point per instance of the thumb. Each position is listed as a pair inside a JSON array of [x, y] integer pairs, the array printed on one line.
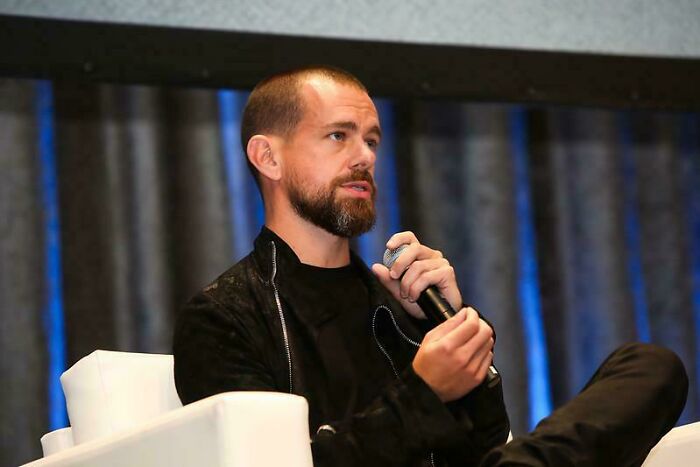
[[382, 273], [394, 288]]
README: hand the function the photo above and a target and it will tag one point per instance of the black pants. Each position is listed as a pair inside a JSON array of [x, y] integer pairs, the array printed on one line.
[[635, 397]]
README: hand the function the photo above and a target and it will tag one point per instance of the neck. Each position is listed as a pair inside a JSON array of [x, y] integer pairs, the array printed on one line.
[[312, 244]]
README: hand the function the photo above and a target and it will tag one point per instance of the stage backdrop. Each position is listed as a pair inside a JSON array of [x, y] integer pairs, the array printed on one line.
[[572, 230]]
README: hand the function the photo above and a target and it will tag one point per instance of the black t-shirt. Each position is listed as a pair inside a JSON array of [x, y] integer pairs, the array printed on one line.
[[346, 341]]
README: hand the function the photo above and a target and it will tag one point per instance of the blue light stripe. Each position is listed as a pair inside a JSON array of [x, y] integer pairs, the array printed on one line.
[[632, 234], [53, 313], [236, 170], [690, 155], [539, 391], [371, 245], [387, 164]]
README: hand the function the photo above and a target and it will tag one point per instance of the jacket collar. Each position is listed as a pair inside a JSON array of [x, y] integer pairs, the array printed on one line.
[[287, 263]]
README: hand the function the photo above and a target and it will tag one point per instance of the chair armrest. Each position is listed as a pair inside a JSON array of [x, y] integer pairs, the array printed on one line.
[[679, 448], [234, 429]]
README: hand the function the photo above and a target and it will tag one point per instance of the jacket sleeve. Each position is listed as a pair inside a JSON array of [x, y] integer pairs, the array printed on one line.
[[216, 351], [409, 422]]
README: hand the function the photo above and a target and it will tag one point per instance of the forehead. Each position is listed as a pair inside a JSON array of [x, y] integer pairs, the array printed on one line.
[[326, 101]]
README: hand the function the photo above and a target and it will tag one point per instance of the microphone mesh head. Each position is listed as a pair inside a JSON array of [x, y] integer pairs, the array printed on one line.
[[390, 256]]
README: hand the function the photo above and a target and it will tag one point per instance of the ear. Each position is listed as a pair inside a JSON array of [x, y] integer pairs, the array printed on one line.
[[263, 157]]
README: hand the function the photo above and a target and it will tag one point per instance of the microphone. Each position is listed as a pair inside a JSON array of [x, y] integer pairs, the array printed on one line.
[[436, 308]]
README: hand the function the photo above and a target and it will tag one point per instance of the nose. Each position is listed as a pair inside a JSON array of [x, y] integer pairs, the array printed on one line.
[[363, 158]]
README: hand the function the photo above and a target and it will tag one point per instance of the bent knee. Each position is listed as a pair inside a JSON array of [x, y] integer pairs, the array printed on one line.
[[662, 362]]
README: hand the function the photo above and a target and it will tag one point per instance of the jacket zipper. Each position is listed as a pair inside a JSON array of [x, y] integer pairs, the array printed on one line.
[[386, 353], [285, 336]]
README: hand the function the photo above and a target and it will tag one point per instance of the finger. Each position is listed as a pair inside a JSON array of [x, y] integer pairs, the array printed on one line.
[[464, 333], [441, 330], [481, 338], [401, 238], [484, 366], [475, 361], [382, 273], [410, 255], [405, 259], [442, 277], [418, 268]]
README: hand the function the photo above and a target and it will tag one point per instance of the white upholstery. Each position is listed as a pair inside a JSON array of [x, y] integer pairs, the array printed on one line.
[[233, 429], [107, 392], [56, 440], [124, 411], [679, 448]]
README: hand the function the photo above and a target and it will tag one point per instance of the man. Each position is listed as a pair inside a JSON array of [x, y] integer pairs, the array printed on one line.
[[303, 314]]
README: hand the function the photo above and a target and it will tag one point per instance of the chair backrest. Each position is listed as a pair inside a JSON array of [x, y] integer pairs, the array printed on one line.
[[57, 440], [107, 392]]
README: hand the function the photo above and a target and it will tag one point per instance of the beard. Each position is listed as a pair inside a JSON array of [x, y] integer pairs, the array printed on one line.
[[345, 217]]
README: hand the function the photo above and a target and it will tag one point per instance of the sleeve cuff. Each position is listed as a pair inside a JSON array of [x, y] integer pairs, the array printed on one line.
[[438, 423]]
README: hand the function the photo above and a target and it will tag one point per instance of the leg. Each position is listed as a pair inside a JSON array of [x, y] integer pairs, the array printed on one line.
[[634, 398]]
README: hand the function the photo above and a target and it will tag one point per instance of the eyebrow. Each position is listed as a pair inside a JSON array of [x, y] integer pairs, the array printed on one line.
[[349, 125]]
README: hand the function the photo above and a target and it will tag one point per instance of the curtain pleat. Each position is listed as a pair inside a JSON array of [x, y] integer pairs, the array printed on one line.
[[465, 206], [665, 244], [590, 226], [23, 357], [153, 206], [202, 245]]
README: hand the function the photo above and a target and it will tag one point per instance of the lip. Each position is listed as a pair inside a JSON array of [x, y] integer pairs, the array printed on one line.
[[364, 191]]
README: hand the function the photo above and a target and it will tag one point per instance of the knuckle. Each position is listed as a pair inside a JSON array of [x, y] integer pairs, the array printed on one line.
[[442, 348], [485, 332], [472, 371], [462, 359], [472, 327]]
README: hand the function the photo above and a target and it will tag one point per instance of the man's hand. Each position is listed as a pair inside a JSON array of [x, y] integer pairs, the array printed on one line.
[[454, 357], [423, 267]]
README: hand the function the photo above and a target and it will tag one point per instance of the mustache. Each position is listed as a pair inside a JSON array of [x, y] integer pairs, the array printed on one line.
[[356, 176]]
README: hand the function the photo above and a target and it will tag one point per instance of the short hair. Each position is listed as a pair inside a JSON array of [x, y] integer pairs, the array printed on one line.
[[275, 105]]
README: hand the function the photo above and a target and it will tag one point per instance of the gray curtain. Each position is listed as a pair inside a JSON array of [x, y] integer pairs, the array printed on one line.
[[23, 357], [598, 180], [145, 221]]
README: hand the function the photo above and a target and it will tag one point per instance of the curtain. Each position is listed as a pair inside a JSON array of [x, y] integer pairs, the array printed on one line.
[[572, 230]]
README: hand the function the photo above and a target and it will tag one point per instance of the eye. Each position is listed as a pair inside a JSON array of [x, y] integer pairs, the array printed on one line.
[[372, 143], [337, 136]]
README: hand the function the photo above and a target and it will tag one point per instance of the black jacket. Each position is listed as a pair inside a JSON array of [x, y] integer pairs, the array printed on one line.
[[248, 331]]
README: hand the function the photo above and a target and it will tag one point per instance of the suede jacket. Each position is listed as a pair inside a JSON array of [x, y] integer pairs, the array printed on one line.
[[250, 331]]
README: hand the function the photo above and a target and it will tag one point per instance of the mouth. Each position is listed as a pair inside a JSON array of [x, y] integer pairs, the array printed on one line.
[[358, 188]]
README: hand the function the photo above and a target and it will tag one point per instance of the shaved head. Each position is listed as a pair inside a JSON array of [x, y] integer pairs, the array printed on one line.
[[276, 105]]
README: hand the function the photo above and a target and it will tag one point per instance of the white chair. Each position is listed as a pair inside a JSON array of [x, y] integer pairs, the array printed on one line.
[[679, 448], [124, 411]]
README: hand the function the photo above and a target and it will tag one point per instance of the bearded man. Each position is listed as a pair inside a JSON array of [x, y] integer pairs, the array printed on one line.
[[303, 314]]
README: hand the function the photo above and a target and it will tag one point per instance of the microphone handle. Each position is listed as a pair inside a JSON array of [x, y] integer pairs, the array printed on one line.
[[438, 310]]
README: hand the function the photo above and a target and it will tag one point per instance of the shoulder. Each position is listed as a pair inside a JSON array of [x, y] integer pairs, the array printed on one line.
[[229, 299]]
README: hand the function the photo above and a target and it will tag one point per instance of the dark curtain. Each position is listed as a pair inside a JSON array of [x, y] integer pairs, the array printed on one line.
[[149, 213]]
